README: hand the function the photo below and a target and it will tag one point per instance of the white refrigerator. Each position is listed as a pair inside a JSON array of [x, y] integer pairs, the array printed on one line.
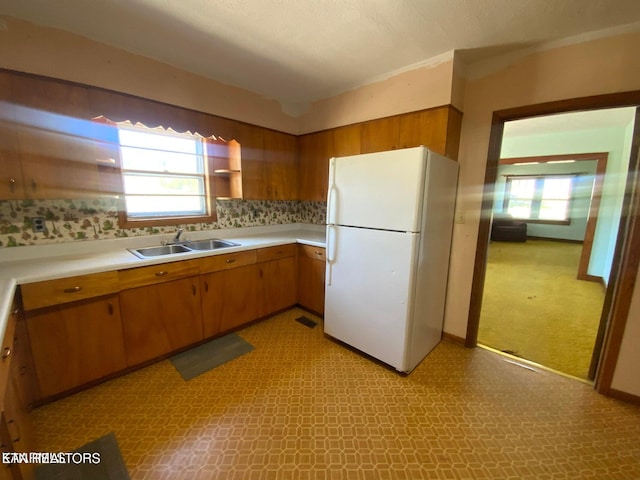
[[389, 226]]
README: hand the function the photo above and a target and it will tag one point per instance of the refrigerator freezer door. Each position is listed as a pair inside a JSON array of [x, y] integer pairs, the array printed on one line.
[[368, 302], [381, 190]]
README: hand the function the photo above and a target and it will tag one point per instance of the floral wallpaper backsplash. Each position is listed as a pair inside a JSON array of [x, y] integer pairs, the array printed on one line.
[[97, 219]]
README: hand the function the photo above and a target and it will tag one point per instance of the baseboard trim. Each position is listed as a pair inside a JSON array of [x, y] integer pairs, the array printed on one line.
[[450, 337], [624, 396], [563, 240]]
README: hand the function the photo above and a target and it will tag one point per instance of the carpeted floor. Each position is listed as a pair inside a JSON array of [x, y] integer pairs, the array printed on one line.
[[534, 307]]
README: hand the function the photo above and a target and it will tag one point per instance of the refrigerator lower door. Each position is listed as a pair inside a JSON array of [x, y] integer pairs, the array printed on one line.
[[369, 291]]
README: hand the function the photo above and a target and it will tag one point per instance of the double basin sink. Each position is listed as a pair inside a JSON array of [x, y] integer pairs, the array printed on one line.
[[182, 247]]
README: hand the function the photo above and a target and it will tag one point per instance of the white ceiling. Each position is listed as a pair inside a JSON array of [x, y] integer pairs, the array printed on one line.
[[297, 51], [568, 122]]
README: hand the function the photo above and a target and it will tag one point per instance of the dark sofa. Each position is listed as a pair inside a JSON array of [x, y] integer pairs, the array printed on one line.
[[505, 229]]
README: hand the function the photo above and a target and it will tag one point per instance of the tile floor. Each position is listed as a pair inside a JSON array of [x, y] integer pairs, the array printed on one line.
[[302, 407]]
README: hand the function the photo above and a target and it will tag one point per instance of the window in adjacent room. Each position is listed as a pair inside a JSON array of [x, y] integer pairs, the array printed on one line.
[[543, 198]]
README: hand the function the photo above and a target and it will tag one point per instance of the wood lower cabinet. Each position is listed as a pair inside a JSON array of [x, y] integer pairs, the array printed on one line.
[[75, 343], [311, 272], [161, 318], [16, 433], [277, 271], [82, 329], [229, 299]]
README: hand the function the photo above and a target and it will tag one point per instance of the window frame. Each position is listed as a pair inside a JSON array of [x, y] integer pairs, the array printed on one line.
[[111, 147], [538, 196]]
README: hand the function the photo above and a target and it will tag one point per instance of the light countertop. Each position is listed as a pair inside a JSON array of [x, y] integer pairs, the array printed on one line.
[[20, 265]]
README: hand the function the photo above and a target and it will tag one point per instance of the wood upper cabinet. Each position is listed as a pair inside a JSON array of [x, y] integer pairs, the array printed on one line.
[[75, 343], [160, 318], [280, 171], [315, 150], [277, 271], [380, 135], [11, 183], [251, 141], [269, 162], [311, 274], [347, 140], [427, 127], [56, 151]]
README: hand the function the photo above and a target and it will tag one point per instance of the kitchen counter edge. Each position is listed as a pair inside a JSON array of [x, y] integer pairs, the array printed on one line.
[[20, 272]]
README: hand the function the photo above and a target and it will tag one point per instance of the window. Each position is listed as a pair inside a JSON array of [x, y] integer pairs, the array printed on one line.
[[164, 175], [542, 198]]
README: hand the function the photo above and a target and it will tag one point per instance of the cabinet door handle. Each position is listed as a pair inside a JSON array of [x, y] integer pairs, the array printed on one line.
[[34, 185], [230, 260], [12, 185], [110, 308], [193, 289], [317, 252], [206, 287], [162, 273], [72, 289], [6, 351]]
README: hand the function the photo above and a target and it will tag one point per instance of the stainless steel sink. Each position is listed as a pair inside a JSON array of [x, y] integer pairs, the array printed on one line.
[[148, 252], [211, 244], [185, 247]]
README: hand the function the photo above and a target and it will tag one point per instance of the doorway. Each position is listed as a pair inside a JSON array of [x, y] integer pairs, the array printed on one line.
[[552, 280], [624, 263]]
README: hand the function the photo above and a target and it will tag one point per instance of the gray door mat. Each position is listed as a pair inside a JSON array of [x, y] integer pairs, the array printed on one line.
[[207, 356], [108, 465]]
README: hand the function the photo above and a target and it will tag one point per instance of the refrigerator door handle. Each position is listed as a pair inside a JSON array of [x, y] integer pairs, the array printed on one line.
[[331, 196], [331, 246]]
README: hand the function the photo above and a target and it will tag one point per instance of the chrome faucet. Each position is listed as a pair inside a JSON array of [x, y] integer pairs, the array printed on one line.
[[176, 239]]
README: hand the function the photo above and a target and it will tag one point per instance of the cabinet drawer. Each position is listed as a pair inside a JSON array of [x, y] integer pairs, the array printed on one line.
[[64, 290], [274, 253], [229, 260], [139, 277], [312, 252]]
